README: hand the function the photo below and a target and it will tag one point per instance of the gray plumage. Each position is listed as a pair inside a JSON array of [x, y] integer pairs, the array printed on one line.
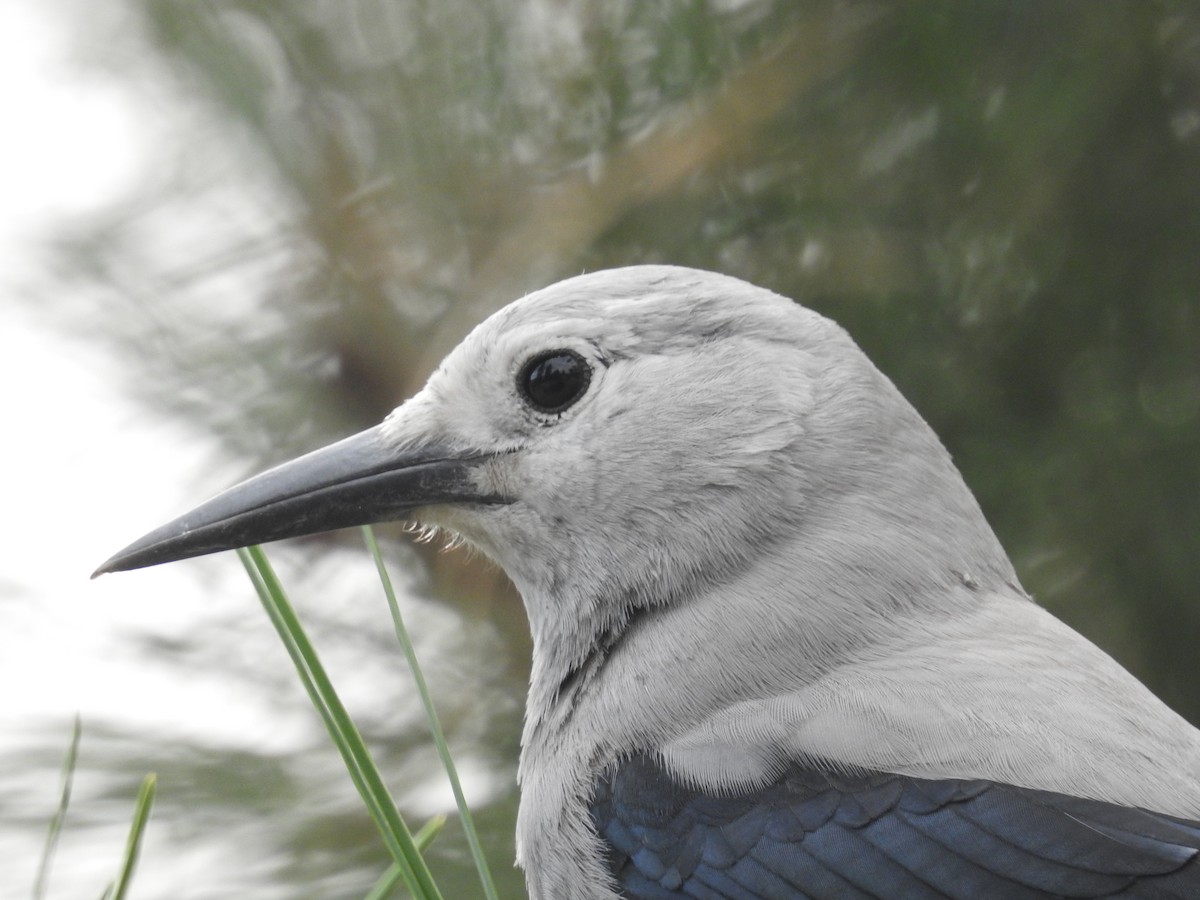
[[742, 551]]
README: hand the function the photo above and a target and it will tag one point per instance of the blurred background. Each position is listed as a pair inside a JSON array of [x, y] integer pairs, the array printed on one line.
[[233, 231]]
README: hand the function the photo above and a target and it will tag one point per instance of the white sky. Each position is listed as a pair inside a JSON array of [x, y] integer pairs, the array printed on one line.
[[71, 143], [75, 452], [86, 471], [76, 447]]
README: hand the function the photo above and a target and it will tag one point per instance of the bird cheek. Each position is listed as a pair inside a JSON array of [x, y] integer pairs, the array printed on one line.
[[502, 476]]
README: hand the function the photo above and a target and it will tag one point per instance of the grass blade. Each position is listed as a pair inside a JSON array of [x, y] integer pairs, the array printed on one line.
[[363, 771], [60, 814], [390, 879], [133, 847], [429, 831], [387, 883], [435, 727]]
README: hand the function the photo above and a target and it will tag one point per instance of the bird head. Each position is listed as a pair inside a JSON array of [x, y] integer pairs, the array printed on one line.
[[617, 439]]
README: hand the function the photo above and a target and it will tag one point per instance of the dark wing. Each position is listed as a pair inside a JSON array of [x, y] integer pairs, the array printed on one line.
[[822, 835]]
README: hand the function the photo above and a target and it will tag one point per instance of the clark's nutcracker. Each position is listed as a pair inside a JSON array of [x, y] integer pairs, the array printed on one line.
[[777, 650]]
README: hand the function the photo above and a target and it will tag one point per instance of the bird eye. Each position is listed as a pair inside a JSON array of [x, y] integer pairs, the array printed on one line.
[[553, 381]]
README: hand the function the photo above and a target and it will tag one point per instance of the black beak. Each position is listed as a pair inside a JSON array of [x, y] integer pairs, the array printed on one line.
[[358, 481]]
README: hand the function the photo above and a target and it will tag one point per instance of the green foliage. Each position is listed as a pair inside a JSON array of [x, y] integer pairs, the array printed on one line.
[[54, 831], [409, 863], [119, 889], [435, 726]]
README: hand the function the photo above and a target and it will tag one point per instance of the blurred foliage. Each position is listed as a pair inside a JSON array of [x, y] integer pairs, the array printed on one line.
[[999, 199]]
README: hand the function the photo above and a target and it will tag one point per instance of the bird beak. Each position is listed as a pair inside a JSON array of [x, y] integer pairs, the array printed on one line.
[[358, 481]]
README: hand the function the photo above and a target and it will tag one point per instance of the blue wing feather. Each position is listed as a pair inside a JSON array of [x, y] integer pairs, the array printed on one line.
[[814, 834]]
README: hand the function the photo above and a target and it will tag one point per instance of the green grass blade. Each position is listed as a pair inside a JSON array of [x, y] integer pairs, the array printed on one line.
[[429, 831], [435, 727], [386, 885], [60, 814], [133, 847], [363, 771], [390, 879]]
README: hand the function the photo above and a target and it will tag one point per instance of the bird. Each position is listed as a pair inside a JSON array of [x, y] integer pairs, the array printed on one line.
[[778, 651]]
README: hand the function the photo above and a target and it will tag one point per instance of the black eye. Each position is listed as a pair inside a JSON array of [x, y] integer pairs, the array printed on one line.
[[553, 381]]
